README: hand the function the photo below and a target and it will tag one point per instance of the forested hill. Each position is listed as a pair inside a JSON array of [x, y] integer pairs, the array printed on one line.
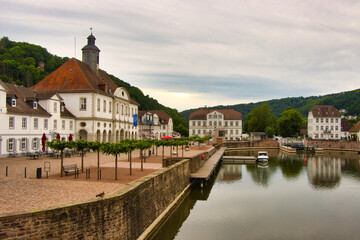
[[22, 62], [350, 101]]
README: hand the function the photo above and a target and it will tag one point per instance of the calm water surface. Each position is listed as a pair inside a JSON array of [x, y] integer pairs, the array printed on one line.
[[295, 197]]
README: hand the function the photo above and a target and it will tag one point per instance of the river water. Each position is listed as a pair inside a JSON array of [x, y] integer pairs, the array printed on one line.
[[294, 197]]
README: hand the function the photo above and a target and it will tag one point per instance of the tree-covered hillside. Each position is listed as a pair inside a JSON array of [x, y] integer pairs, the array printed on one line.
[[350, 101], [22, 62]]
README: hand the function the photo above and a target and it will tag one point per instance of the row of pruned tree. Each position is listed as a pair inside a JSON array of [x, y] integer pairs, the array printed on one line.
[[122, 147]]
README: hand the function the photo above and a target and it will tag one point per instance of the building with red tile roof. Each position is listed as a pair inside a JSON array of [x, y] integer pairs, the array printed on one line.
[[205, 121], [324, 122], [355, 130], [103, 110], [154, 124]]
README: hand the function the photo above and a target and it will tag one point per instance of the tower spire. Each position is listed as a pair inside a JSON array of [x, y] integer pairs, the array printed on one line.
[[90, 53]]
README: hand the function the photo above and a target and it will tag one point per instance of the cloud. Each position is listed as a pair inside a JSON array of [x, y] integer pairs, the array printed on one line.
[[233, 52]]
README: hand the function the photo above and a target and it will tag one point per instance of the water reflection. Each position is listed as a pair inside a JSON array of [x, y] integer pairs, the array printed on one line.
[[324, 172], [286, 198], [230, 173]]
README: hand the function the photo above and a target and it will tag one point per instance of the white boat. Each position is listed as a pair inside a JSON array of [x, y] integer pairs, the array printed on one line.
[[262, 156]]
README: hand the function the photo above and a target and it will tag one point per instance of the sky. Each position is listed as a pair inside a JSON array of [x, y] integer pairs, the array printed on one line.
[[190, 54]]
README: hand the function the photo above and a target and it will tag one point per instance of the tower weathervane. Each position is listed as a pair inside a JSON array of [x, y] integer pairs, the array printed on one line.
[[91, 30]]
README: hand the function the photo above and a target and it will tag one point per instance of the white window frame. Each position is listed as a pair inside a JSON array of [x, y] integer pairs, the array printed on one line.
[[63, 125], [11, 145], [83, 103], [36, 123], [55, 107], [23, 143], [35, 144], [11, 122], [71, 125], [55, 124], [104, 105], [46, 124], [24, 123]]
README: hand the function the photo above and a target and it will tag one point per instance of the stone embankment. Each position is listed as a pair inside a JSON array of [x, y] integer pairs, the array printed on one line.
[[125, 214]]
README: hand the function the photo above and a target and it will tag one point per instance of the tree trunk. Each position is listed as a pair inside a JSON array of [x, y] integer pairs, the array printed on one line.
[[116, 167], [62, 163], [82, 160]]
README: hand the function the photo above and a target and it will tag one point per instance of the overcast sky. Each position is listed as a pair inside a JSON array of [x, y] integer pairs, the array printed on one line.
[[189, 54]]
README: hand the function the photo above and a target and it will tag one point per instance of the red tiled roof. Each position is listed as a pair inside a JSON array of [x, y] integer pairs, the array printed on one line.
[[161, 114], [22, 107], [325, 111], [345, 125], [355, 128], [229, 114]]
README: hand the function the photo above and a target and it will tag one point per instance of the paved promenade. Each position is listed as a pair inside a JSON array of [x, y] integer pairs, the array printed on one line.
[[18, 194]]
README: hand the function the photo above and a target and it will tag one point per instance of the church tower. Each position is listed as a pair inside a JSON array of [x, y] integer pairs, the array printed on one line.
[[90, 54]]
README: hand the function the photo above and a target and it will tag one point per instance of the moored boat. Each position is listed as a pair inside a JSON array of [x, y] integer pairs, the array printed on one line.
[[262, 156]]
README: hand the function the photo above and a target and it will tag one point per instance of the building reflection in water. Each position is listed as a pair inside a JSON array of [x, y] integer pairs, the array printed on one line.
[[230, 173], [324, 172]]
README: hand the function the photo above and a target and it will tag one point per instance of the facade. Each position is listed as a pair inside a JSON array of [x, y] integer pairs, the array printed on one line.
[[26, 115], [78, 99], [204, 122], [154, 124], [103, 111], [355, 130], [324, 122]]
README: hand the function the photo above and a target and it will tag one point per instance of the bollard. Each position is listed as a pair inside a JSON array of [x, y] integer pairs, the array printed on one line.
[[99, 174], [6, 172], [25, 172], [87, 173]]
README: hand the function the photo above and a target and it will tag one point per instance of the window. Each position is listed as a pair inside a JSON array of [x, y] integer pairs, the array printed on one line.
[[236, 123], [332, 120], [198, 131], [204, 124], [226, 123], [71, 125], [215, 123], [220, 123], [331, 135], [13, 102], [317, 127], [122, 109], [23, 144], [82, 104], [326, 120], [36, 123], [332, 128], [110, 107], [317, 120], [24, 123], [336, 128], [210, 123], [46, 124], [11, 122], [55, 107], [210, 116], [322, 120], [193, 131], [231, 123], [11, 144], [117, 108], [104, 105], [231, 132], [63, 125], [336, 136], [237, 131], [336, 120], [55, 124], [98, 105], [35, 105], [322, 127], [34, 144], [193, 123]]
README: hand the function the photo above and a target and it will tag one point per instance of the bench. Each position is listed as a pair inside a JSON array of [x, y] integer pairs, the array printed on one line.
[[70, 168]]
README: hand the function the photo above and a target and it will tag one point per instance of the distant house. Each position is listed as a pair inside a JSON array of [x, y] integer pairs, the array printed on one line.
[[324, 122], [203, 122], [345, 128], [154, 124], [257, 136], [355, 130]]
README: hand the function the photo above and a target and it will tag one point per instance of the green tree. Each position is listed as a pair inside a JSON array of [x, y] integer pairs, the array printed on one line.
[[260, 118], [290, 123]]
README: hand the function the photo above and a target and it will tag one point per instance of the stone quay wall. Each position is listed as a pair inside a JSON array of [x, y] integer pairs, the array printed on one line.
[[122, 215], [337, 145], [267, 143], [195, 162]]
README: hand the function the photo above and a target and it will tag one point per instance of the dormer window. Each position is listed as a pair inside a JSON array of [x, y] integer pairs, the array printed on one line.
[[35, 105], [13, 102]]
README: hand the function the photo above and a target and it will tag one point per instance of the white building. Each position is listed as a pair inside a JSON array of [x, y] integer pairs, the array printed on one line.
[[154, 124], [78, 99], [355, 130], [26, 115], [203, 122], [103, 110], [324, 122]]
